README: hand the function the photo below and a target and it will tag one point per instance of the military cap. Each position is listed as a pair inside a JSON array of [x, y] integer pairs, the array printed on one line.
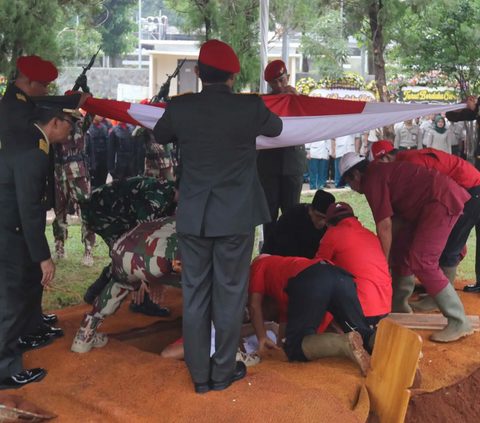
[[275, 70], [219, 55], [62, 103], [36, 69]]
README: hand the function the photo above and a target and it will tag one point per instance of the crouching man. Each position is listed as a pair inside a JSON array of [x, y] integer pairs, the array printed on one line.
[[304, 291]]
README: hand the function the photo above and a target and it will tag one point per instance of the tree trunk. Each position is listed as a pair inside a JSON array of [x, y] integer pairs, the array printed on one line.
[[208, 21], [378, 47], [305, 67]]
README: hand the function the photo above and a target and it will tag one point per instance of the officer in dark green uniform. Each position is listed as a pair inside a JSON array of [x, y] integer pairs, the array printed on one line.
[[280, 169], [471, 112], [221, 201], [26, 192]]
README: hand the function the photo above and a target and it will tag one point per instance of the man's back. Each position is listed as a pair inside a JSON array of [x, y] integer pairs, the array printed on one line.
[[220, 189], [357, 250]]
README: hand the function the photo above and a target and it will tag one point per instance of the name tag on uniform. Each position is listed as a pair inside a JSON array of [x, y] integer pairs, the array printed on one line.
[[414, 137], [21, 97], [43, 145]]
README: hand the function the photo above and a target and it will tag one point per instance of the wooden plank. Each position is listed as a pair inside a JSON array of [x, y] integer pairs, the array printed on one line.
[[394, 362], [428, 321]]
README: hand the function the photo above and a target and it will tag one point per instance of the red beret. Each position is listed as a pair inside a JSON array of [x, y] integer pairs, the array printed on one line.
[[220, 56], [275, 70], [36, 69], [338, 210]]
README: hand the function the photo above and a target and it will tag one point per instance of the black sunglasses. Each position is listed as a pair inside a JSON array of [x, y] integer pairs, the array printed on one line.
[[71, 122]]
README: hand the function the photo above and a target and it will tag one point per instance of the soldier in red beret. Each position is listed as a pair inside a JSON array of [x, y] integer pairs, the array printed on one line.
[[280, 169], [221, 201], [277, 77]]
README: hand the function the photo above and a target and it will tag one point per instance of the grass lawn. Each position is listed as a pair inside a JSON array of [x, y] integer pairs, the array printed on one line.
[[72, 279]]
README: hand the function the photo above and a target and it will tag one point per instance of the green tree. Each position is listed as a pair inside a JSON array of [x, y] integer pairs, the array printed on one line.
[[35, 26], [443, 36], [116, 25]]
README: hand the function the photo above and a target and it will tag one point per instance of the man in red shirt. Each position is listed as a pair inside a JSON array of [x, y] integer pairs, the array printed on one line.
[[304, 290], [357, 250], [465, 175], [431, 204]]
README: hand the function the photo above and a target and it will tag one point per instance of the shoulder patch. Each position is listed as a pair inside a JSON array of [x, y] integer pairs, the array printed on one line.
[[179, 95], [43, 145], [21, 97]]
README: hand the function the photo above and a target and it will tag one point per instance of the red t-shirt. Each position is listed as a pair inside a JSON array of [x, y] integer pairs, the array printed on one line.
[[462, 172], [357, 250], [403, 189], [270, 275]]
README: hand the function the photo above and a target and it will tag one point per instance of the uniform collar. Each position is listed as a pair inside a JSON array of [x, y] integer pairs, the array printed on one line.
[[45, 135], [218, 88]]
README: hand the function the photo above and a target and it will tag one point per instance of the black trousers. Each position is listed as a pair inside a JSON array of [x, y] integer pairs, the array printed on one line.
[[125, 170], [314, 291], [100, 174], [281, 192], [460, 232], [215, 273], [19, 311]]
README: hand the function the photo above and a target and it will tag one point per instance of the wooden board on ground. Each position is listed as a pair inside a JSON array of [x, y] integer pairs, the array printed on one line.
[[394, 362], [428, 321]]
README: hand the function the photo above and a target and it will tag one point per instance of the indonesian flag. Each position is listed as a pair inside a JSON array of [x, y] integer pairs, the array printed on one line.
[[305, 119]]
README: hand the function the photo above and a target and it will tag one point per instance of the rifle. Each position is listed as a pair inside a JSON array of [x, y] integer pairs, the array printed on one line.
[[86, 69], [165, 88]]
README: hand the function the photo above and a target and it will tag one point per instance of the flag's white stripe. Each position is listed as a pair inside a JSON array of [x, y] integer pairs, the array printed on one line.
[[299, 130], [303, 130]]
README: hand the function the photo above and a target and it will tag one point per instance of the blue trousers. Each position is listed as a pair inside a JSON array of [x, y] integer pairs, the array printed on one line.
[[337, 173], [318, 170]]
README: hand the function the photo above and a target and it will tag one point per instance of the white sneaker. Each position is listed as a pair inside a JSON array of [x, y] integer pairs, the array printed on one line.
[[83, 342], [248, 359]]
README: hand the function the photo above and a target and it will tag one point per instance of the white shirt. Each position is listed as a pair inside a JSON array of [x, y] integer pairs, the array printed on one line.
[[373, 134], [318, 150], [458, 131], [426, 127], [344, 145]]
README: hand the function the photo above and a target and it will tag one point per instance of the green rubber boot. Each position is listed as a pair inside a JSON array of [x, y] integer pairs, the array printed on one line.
[[452, 308], [402, 290], [427, 303]]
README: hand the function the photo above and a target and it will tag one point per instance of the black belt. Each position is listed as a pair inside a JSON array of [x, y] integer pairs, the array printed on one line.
[[69, 159], [409, 148], [155, 156]]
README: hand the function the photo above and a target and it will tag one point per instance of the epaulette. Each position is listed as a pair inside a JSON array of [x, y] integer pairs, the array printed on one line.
[[178, 95], [21, 97], [44, 145]]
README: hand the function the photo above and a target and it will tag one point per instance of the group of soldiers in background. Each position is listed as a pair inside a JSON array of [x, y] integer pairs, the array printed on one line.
[[97, 149]]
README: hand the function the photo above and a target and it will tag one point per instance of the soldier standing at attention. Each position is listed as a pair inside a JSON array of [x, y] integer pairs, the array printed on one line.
[[123, 152], [25, 264], [72, 184], [97, 137], [280, 169], [16, 112], [221, 201]]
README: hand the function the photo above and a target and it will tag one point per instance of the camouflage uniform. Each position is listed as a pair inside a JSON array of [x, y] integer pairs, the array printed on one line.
[[158, 157], [145, 253], [72, 183]]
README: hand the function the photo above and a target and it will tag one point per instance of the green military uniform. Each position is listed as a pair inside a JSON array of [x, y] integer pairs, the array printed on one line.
[[281, 174]]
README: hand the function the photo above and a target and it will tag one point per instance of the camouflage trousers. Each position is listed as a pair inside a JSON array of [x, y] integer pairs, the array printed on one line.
[[145, 253], [165, 174], [66, 190]]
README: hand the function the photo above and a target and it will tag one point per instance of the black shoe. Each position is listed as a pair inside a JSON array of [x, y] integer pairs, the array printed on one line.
[[472, 288], [47, 331], [96, 288], [32, 342], [50, 319], [201, 388], [22, 379], [149, 308], [240, 373]]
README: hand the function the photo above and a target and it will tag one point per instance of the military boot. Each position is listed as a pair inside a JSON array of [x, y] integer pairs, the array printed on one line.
[[87, 336], [60, 253], [87, 259], [96, 288], [451, 307], [324, 345], [149, 308], [402, 290], [427, 303]]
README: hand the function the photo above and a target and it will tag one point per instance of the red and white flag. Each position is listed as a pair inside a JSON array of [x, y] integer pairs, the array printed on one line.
[[305, 119]]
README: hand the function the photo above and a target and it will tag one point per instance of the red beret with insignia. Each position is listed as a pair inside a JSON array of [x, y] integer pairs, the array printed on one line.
[[275, 70], [36, 69], [219, 55]]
